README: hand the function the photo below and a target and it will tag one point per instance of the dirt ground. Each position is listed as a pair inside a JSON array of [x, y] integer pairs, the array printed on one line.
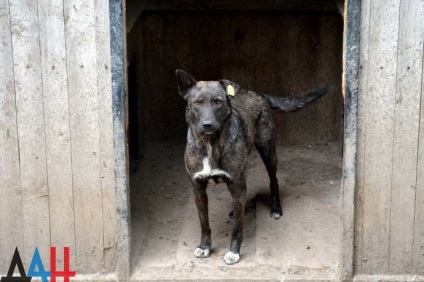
[[302, 245]]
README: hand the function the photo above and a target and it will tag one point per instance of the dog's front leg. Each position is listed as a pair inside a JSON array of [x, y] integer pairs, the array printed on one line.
[[238, 192], [201, 199]]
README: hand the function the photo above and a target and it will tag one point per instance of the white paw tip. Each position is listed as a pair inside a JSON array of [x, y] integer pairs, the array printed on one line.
[[275, 215], [231, 258], [201, 253]]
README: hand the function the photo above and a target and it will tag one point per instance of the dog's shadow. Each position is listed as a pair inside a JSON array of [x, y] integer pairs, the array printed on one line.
[[259, 199], [252, 204], [264, 200]]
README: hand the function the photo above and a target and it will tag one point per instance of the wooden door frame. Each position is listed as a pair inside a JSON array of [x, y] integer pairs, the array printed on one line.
[[120, 115], [352, 25], [352, 16]]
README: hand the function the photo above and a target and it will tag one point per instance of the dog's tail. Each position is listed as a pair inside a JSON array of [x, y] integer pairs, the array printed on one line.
[[293, 103]]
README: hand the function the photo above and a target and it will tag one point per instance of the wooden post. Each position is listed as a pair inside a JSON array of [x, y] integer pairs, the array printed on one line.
[[11, 217], [378, 156], [81, 52], [107, 161], [56, 112], [406, 136], [350, 91], [418, 249], [31, 129], [360, 157], [117, 43]]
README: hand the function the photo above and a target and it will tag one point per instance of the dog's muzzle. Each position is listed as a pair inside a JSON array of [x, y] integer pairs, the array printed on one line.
[[208, 127]]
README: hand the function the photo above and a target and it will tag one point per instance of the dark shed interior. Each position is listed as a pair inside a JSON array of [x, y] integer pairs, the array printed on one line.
[[281, 48], [275, 52]]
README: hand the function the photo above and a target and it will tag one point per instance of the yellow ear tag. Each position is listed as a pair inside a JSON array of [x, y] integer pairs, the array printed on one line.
[[230, 90]]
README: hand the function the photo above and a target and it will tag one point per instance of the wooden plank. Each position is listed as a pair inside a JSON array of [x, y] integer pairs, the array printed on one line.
[[11, 218], [388, 278], [350, 86], [56, 112], [362, 113], [381, 90], [80, 34], [292, 56], [405, 146], [106, 132], [117, 42], [418, 251], [30, 119]]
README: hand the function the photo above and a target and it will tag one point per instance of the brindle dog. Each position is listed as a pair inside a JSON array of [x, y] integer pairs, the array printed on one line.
[[224, 122]]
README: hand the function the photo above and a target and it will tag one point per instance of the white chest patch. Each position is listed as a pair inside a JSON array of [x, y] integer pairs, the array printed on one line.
[[207, 170]]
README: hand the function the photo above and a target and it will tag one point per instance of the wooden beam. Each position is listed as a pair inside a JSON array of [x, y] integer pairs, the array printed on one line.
[[104, 90], [11, 212], [351, 43], [81, 49], [318, 5], [406, 138], [30, 128], [57, 131], [118, 55], [379, 139]]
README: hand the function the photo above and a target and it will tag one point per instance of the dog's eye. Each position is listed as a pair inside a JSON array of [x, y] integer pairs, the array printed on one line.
[[217, 102], [198, 102]]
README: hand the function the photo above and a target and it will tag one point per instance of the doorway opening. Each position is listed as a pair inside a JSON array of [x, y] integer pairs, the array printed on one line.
[[275, 50]]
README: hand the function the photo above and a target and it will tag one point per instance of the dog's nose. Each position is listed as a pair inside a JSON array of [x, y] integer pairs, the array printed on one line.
[[207, 125]]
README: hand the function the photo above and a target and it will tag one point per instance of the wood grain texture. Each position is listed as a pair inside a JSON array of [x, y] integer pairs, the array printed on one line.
[[107, 164], [381, 89], [56, 133], [31, 134], [361, 145], [418, 251], [56, 111], [11, 217], [406, 131], [351, 73], [80, 33], [118, 72], [278, 53]]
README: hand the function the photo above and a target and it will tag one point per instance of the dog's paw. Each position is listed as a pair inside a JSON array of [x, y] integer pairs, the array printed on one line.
[[201, 253], [231, 258], [276, 213]]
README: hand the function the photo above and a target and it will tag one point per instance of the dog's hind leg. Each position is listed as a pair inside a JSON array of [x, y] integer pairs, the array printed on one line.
[[201, 200], [265, 144]]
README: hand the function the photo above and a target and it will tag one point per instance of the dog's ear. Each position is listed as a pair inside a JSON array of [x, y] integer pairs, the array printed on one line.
[[185, 82], [230, 87]]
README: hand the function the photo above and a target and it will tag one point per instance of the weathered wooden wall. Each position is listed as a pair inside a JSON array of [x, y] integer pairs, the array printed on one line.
[[389, 214], [277, 52], [57, 185]]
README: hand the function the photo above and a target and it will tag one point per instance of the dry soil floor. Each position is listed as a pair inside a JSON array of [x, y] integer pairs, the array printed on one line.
[[302, 245]]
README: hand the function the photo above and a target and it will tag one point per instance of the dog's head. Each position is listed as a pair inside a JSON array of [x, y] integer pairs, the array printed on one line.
[[208, 102]]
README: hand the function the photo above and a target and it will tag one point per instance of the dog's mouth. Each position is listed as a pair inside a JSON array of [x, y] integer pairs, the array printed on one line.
[[212, 130], [208, 132]]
